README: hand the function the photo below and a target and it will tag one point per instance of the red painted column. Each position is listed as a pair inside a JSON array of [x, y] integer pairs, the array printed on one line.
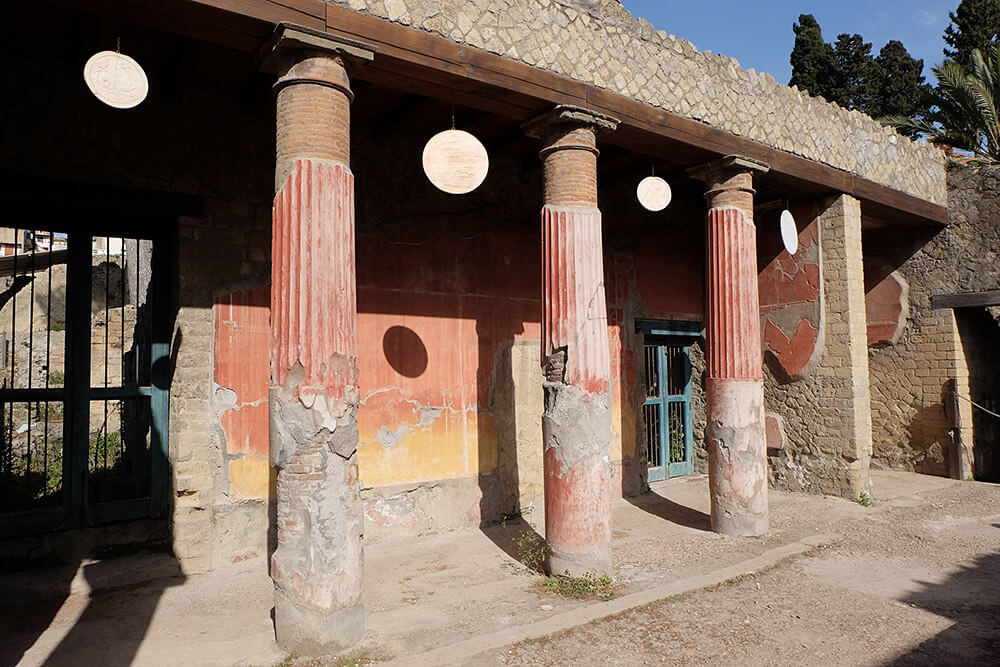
[[734, 385], [313, 398], [576, 423]]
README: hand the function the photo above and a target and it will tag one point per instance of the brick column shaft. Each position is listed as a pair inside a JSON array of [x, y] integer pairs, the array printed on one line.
[[734, 385], [576, 423], [317, 566]]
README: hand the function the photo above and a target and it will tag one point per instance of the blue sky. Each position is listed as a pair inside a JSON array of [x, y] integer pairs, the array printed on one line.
[[759, 34]]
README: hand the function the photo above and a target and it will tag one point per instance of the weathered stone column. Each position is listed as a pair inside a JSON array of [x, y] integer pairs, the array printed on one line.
[[576, 423], [314, 374], [734, 384]]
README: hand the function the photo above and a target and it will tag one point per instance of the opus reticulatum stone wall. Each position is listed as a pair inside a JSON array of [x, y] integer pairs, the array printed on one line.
[[599, 42]]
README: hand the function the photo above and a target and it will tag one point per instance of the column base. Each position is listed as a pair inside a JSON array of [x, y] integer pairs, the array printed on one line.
[[311, 632], [739, 525], [576, 427], [737, 456], [577, 564]]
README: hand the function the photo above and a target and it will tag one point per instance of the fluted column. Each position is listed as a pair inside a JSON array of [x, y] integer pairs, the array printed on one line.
[[734, 384], [313, 399], [576, 423]]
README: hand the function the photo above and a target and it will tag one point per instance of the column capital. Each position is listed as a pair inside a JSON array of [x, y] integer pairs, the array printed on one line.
[[565, 118], [290, 47], [729, 180], [729, 165]]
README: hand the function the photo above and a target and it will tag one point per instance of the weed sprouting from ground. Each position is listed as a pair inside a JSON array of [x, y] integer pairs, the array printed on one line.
[[530, 549], [865, 499], [588, 585], [676, 597]]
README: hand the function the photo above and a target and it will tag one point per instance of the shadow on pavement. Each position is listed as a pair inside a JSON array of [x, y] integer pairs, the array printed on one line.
[[970, 598], [110, 628], [666, 509]]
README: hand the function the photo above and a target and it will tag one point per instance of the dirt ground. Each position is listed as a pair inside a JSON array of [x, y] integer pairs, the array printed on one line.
[[913, 581]]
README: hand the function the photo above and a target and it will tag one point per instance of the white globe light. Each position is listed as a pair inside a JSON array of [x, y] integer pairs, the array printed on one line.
[[789, 232], [455, 162], [654, 193]]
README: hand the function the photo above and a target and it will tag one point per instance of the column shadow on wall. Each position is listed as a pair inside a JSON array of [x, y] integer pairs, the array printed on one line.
[[970, 598], [503, 518]]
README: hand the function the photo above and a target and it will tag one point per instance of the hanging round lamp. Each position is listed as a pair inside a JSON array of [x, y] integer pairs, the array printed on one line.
[[789, 232], [116, 79], [654, 193], [455, 162]]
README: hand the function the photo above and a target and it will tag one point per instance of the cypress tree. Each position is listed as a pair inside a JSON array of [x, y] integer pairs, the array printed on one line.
[[901, 89], [974, 25], [812, 59], [853, 84]]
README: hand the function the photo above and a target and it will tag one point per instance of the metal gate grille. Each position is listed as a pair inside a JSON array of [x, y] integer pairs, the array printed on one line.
[[667, 411], [81, 413]]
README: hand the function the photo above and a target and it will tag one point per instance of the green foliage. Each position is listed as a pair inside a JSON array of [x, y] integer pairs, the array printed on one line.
[[57, 378], [812, 58], [107, 445], [903, 90], [846, 72], [974, 25], [532, 550], [678, 449], [588, 585], [965, 113], [57, 326], [865, 499], [853, 85]]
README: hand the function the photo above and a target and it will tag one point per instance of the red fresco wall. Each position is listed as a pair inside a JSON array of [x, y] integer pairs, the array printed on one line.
[[791, 300], [437, 297], [242, 352]]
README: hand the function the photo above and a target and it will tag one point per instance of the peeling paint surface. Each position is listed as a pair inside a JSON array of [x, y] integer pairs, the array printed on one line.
[[791, 301], [737, 459], [314, 236], [887, 306], [242, 343]]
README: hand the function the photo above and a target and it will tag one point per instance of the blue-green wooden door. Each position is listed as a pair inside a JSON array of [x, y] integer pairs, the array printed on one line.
[[667, 409]]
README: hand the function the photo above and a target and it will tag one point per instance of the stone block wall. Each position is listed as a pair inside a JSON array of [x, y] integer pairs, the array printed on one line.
[[827, 413], [600, 43], [912, 380]]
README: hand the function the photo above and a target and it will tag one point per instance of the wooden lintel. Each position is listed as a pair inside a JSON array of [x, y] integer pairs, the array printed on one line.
[[418, 62], [967, 300]]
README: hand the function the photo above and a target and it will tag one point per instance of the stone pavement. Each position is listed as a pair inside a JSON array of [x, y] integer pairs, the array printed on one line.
[[432, 600]]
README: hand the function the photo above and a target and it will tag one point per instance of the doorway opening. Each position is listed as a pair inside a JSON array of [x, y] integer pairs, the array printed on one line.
[[84, 378], [666, 409]]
